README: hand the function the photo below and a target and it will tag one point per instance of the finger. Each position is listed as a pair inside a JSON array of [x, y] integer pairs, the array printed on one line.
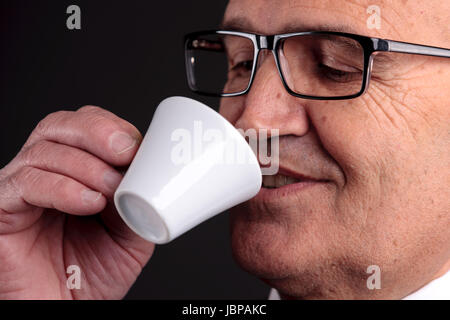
[[45, 189], [106, 113], [98, 132], [72, 162]]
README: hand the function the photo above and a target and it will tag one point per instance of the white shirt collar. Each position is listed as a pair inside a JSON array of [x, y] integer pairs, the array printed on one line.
[[438, 289]]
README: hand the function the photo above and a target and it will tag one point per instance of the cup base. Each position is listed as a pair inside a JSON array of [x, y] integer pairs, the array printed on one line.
[[142, 218]]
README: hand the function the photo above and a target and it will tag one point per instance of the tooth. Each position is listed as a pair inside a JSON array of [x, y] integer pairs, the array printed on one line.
[[280, 180], [269, 181], [264, 181], [291, 180], [276, 181]]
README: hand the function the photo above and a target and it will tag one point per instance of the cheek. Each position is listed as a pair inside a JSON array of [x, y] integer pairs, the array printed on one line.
[[389, 171], [349, 134], [363, 149]]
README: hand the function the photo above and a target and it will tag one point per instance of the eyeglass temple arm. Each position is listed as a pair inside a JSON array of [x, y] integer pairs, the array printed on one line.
[[404, 47]]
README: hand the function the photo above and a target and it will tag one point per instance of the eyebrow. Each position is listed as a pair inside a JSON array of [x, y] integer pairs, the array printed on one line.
[[244, 25]]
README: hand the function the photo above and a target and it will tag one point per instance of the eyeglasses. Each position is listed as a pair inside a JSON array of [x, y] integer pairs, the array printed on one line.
[[317, 65]]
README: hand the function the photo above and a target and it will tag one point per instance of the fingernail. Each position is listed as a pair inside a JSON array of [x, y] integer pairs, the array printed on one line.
[[112, 179], [90, 196], [122, 142]]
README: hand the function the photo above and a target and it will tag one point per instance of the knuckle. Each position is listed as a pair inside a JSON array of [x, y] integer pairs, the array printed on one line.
[[90, 165], [34, 152], [89, 108], [101, 125], [104, 122], [24, 175], [2, 174], [85, 162], [48, 122], [103, 117], [61, 186]]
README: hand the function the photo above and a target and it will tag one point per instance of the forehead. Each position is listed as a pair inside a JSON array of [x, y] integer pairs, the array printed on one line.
[[281, 16], [267, 16]]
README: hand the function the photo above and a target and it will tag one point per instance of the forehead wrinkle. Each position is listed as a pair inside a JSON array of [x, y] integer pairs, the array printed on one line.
[[276, 16], [268, 17], [240, 23]]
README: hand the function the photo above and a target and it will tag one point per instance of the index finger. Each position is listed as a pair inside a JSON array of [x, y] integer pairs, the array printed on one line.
[[92, 129]]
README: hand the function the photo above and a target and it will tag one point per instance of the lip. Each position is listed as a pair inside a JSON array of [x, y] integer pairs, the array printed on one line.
[[305, 183], [299, 176]]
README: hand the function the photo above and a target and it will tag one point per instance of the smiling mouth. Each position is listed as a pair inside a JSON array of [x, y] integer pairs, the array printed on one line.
[[286, 183], [286, 177], [277, 181]]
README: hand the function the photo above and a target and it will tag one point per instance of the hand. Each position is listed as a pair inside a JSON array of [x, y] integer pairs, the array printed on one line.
[[56, 210]]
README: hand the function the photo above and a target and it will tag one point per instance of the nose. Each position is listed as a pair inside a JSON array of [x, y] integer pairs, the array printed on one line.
[[269, 106]]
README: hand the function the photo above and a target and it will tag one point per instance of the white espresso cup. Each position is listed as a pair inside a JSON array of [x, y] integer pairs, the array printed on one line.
[[191, 165]]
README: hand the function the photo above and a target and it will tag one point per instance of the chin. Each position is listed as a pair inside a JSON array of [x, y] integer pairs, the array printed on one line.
[[300, 262], [257, 248], [264, 246]]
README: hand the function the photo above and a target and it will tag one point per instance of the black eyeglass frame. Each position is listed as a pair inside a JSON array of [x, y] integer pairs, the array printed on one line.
[[272, 42]]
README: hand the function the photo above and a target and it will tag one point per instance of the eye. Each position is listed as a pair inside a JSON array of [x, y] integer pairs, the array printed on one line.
[[339, 73], [333, 69], [246, 65], [240, 61]]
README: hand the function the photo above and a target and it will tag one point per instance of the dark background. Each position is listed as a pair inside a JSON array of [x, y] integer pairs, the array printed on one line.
[[126, 58]]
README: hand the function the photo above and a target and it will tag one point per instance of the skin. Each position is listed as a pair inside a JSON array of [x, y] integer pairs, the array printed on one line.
[[384, 155], [56, 211]]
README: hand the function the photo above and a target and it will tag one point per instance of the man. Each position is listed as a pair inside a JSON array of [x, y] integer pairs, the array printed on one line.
[[376, 172]]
